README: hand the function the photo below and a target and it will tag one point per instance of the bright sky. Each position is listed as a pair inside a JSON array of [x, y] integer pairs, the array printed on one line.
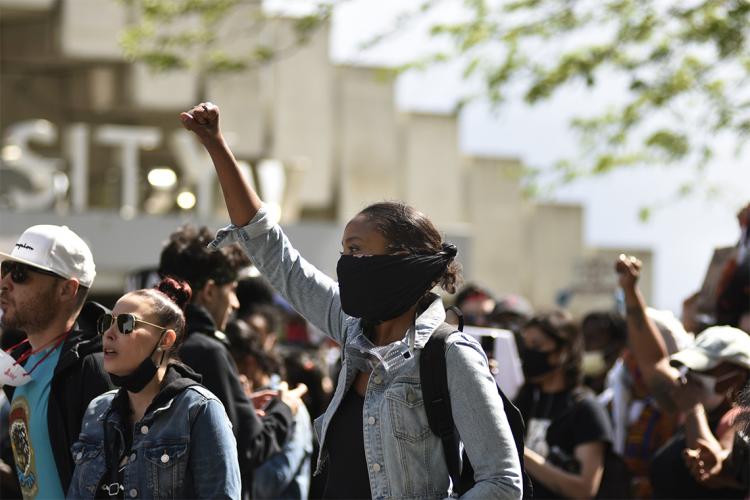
[[682, 235]]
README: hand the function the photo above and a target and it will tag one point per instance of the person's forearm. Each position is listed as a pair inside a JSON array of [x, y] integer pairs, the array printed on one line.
[[643, 336], [696, 427], [554, 478], [241, 200]]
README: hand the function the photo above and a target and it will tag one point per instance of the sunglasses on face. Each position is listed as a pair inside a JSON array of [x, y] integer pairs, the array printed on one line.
[[19, 272], [125, 323]]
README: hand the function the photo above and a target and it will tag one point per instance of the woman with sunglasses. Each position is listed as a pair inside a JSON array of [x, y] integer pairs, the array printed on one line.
[[374, 436], [161, 434]]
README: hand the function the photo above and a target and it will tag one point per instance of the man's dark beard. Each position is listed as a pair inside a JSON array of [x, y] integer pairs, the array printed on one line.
[[36, 314]]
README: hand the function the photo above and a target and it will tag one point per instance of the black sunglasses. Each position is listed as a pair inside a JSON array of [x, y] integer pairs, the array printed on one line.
[[125, 323], [20, 272]]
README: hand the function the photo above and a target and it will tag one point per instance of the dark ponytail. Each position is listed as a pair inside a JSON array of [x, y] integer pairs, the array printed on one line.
[[169, 298], [178, 291]]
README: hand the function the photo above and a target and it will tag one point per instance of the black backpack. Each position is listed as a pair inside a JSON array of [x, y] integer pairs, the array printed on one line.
[[434, 380]]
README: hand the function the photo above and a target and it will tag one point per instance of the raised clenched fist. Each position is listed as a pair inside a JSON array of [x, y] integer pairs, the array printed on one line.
[[203, 121], [628, 270]]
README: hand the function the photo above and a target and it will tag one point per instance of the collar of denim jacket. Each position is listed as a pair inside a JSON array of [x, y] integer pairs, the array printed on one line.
[[427, 322], [365, 356]]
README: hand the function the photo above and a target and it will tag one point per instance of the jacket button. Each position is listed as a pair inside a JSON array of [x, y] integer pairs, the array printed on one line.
[[377, 379], [376, 467], [164, 458], [132, 457], [144, 430], [411, 397], [371, 420], [133, 493]]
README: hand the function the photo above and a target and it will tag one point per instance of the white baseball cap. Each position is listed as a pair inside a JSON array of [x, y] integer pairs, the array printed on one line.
[[56, 249]]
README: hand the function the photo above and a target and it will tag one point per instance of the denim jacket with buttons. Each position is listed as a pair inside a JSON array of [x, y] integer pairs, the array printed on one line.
[[183, 447], [404, 458]]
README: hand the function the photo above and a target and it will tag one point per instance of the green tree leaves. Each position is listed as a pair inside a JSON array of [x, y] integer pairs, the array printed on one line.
[[197, 34]]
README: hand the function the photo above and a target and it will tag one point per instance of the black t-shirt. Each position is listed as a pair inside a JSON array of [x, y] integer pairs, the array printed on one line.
[[347, 466], [556, 423]]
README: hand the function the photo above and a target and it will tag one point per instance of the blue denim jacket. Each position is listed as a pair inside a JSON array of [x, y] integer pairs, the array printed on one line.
[[404, 458], [182, 449], [287, 473]]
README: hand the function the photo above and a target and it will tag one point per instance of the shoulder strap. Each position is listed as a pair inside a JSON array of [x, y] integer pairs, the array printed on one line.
[[434, 380]]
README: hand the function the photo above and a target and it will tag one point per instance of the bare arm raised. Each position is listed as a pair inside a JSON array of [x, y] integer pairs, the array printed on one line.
[[242, 201], [645, 340]]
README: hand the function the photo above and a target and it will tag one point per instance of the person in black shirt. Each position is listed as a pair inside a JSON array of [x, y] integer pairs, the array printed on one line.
[[567, 431]]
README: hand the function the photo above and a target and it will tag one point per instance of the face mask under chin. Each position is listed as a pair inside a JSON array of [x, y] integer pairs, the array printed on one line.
[[139, 378]]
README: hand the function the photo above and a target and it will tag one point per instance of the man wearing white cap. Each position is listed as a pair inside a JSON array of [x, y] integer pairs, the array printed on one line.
[[58, 369]]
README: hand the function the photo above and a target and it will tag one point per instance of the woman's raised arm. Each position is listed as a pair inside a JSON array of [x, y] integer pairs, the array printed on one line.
[[242, 201]]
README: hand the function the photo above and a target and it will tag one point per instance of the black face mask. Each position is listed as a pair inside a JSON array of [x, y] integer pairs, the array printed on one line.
[[535, 363], [140, 377], [377, 288]]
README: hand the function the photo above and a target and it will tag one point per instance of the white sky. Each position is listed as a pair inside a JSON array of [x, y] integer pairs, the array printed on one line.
[[682, 235]]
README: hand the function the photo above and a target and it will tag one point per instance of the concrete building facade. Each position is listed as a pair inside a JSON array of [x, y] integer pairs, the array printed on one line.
[[84, 129]]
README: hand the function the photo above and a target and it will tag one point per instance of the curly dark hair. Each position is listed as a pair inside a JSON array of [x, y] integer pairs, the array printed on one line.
[[409, 230], [186, 256]]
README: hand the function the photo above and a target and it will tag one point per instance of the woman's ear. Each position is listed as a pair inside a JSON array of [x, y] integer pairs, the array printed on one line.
[[168, 339]]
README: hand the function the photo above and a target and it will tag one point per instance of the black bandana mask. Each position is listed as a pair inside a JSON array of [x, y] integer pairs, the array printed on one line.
[[377, 288], [139, 378]]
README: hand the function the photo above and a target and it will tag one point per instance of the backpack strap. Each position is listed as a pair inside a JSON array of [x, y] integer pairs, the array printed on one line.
[[433, 375], [434, 380]]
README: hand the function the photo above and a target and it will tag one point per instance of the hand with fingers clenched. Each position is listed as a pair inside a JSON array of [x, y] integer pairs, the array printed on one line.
[[203, 121], [628, 270]]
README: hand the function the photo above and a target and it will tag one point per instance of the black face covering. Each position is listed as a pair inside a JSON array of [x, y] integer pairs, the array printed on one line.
[[142, 375], [535, 363], [381, 287]]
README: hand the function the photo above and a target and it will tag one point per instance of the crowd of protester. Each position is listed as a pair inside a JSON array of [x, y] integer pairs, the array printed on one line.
[[209, 385]]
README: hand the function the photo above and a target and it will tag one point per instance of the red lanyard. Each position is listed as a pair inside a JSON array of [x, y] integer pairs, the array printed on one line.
[[23, 357]]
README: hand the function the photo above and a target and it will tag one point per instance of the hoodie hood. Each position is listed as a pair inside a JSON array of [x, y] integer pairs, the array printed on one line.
[[199, 320], [178, 378]]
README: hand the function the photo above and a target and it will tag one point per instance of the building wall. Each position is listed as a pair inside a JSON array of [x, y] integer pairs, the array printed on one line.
[[366, 145], [336, 129], [493, 203], [555, 241], [432, 166]]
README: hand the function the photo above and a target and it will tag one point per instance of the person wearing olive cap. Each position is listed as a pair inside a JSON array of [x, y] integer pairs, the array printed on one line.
[[700, 382], [58, 368]]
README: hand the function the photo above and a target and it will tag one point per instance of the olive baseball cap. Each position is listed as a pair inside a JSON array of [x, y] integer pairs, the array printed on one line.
[[715, 345]]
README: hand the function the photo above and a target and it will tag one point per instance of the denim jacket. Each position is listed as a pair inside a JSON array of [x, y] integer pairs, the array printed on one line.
[[183, 447], [404, 458], [287, 473]]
